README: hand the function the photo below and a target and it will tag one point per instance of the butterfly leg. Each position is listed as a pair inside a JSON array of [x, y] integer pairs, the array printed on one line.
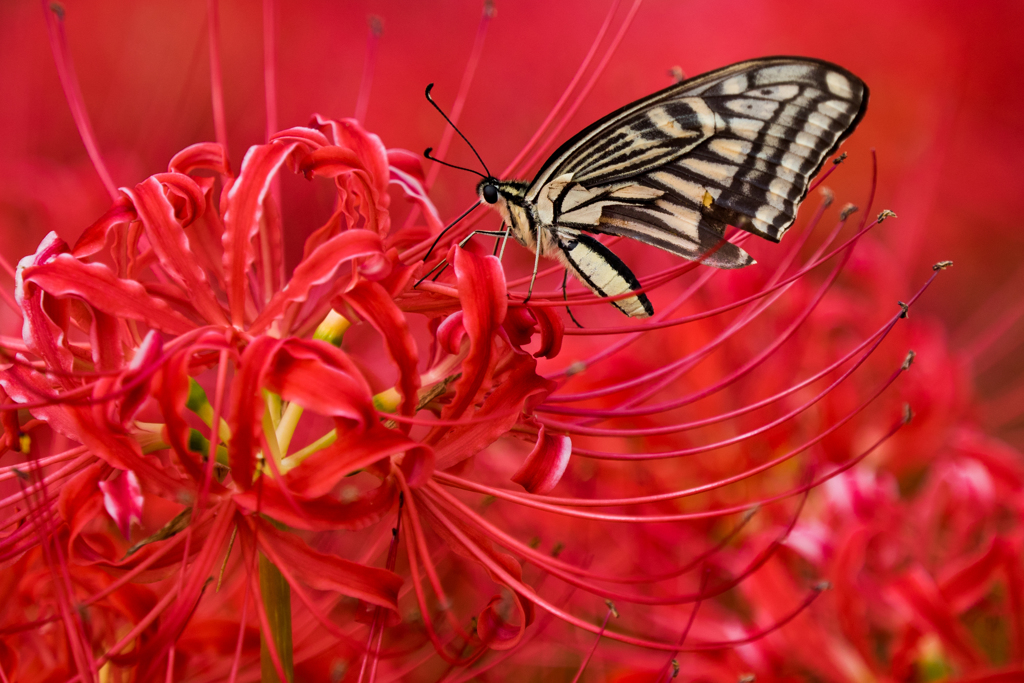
[[565, 298], [536, 266], [504, 239], [443, 263]]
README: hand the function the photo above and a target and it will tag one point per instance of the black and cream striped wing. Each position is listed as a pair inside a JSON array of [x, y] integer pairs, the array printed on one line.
[[737, 146]]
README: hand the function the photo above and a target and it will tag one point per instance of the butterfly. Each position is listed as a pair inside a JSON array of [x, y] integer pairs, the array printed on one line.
[[736, 146]]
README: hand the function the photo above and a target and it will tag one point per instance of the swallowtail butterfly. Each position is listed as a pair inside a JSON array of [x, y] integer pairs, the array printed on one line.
[[737, 146]]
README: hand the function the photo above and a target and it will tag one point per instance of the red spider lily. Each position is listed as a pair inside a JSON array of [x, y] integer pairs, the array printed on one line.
[[680, 467]]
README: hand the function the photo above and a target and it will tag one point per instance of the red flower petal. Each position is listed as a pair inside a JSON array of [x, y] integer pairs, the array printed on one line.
[[374, 305], [95, 236], [320, 472], [545, 464], [324, 513], [317, 268], [484, 303], [168, 240], [122, 499], [97, 284], [243, 210], [327, 572], [320, 378], [505, 403], [205, 156]]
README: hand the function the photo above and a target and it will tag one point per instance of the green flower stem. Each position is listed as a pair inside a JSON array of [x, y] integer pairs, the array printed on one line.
[[297, 457], [332, 328], [286, 426], [277, 599]]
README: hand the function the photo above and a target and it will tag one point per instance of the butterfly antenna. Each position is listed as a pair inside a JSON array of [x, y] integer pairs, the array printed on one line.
[[456, 128], [427, 152]]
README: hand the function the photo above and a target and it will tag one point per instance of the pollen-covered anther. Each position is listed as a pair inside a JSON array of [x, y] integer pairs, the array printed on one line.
[[905, 310], [847, 211], [909, 360], [827, 196], [575, 368], [942, 265], [886, 213], [908, 414], [839, 159]]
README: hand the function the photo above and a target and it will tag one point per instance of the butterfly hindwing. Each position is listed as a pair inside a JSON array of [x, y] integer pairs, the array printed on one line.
[[601, 271], [737, 146]]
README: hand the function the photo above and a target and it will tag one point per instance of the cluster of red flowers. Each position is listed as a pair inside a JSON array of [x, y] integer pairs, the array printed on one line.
[[221, 468]]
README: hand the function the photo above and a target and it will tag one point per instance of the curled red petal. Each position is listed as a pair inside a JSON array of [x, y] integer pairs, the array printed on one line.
[[93, 239], [551, 332], [545, 464], [317, 268], [243, 210], [332, 161], [496, 629], [122, 499], [172, 392], [481, 283], [921, 599], [202, 156], [450, 333], [97, 284], [324, 513], [320, 472], [412, 185], [407, 162], [373, 304], [186, 195], [511, 395], [245, 415], [309, 138], [42, 334], [328, 572], [320, 378], [168, 239]]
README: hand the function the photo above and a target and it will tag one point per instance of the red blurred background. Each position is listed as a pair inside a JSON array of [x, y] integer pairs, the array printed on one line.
[[945, 111]]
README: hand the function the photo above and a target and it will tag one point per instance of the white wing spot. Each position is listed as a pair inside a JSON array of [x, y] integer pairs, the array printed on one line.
[[806, 139], [664, 122], [746, 128], [719, 173], [732, 150], [835, 105], [684, 188], [785, 72], [779, 93], [778, 193], [838, 84], [792, 161], [734, 85], [819, 120], [766, 214], [759, 109]]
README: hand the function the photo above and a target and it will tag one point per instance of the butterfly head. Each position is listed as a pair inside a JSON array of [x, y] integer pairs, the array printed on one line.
[[488, 191]]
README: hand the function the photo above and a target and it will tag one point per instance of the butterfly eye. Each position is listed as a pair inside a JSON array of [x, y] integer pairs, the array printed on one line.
[[490, 194]]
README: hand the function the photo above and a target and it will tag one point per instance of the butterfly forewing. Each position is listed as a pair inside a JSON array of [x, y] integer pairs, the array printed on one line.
[[737, 146]]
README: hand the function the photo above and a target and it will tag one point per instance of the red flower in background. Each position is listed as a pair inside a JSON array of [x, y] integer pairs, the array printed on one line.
[[704, 471]]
